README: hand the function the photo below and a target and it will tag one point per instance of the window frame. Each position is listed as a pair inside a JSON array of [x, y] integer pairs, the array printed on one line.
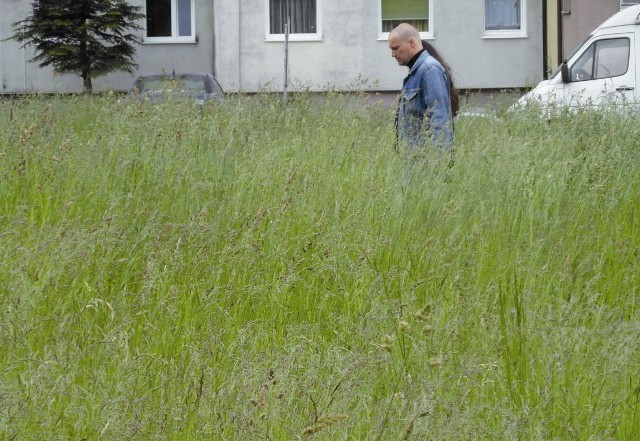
[[317, 36], [174, 38], [429, 35], [507, 33]]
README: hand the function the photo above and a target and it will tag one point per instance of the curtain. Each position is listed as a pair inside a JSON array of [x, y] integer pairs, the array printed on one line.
[[158, 18], [184, 18], [414, 12], [420, 25], [405, 9], [301, 12], [502, 14]]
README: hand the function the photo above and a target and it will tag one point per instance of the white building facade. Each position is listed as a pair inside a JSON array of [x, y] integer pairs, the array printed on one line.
[[333, 44]]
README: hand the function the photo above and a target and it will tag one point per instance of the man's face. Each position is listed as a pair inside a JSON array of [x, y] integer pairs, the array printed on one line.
[[402, 51]]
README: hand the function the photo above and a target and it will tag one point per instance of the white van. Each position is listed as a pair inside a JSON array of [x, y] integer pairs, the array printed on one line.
[[604, 70]]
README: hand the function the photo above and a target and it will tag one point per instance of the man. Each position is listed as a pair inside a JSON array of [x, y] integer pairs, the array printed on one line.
[[425, 100]]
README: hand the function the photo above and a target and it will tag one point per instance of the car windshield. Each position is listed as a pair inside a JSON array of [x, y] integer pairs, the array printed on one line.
[[571, 55], [165, 84]]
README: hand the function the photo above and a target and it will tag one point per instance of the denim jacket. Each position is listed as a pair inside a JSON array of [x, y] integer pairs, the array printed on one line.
[[425, 92]]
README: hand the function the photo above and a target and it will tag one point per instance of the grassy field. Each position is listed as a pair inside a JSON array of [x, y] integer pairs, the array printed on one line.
[[247, 272]]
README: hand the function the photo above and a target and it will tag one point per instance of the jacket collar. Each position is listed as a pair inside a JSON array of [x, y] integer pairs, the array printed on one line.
[[413, 60], [423, 56]]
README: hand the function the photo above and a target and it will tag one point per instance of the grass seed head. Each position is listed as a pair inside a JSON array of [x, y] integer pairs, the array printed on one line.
[[332, 418], [324, 421], [424, 313], [387, 342]]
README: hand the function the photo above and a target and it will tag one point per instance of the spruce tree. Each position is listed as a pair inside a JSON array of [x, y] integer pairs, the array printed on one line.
[[87, 37]]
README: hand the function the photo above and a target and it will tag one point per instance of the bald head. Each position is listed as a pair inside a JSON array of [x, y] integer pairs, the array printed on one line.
[[405, 43], [405, 32]]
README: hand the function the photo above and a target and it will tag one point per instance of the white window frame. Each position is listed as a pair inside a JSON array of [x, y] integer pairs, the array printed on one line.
[[424, 35], [174, 38], [508, 33], [317, 36]]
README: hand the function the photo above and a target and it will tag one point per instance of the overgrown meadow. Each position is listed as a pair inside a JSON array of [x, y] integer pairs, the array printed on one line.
[[246, 271]]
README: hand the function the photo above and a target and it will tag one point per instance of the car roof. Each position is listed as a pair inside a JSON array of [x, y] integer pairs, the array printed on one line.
[[174, 74], [627, 16]]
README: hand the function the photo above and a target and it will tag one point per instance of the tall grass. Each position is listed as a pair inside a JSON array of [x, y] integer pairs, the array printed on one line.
[[248, 271]]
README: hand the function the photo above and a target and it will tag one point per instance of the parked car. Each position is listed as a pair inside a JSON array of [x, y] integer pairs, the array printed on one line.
[[604, 71], [198, 87]]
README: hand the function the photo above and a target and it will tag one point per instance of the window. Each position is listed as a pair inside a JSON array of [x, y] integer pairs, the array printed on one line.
[[504, 18], [302, 16], [603, 59], [170, 21], [414, 12]]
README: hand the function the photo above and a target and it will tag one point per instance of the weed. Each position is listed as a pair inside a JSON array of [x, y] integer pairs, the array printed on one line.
[[249, 271]]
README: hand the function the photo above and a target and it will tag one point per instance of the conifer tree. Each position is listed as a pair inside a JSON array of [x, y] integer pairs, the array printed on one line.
[[87, 37]]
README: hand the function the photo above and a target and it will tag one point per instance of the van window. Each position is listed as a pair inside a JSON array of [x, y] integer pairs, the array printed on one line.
[[603, 59]]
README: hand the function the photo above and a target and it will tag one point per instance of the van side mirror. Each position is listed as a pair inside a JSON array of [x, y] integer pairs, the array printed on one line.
[[564, 70]]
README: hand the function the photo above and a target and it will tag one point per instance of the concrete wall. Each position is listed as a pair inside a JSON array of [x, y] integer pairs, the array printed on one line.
[[351, 50], [246, 62], [17, 74], [231, 42]]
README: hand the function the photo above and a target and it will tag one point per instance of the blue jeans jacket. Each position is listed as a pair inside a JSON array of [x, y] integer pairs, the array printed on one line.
[[425, 92]]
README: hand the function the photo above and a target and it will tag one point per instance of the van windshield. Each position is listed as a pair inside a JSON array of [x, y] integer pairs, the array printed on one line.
[[571, 55]]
